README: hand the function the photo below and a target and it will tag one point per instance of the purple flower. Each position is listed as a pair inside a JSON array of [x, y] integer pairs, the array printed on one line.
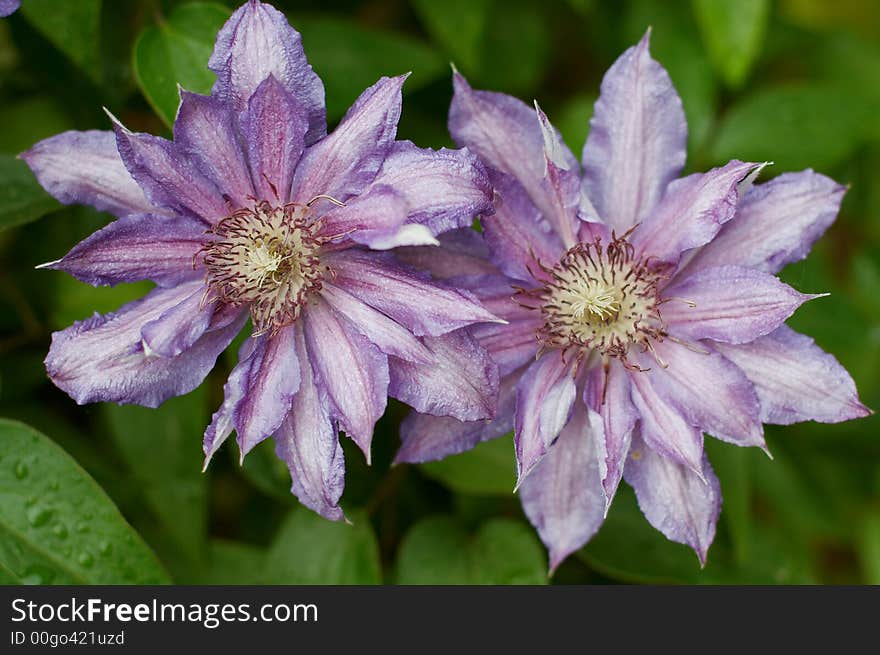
[[642, 308], [253, 211], [8, 7]]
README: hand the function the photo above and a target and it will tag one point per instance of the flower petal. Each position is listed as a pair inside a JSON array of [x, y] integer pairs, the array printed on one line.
[[796, 380], [351, 369], [178, 328], [691, 212], [680, 503], [257, 42], [7, 7], [544, 400], [608, 393], [136, 247], [388, 336], [461, 252], [663, 427], [85, 167], [102, 359], [563, 496], [776, 223], [638, 139], [511, 345], [444, 189], [507, 135], [169, 176], [709, 391], [205, 130], [371, 216], [343, 163], [423, 306], [517, 236], [425, 438], [730, 304], [461, 381], [274, 126], [309, 443]]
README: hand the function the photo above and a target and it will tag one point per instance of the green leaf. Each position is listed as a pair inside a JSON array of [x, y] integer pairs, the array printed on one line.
[[517, 47], [73, 26], [627, 548], [176, 51], [232, 563], [162, 448], [349, 58], [438, 550], [733, 33], [731, 464], [312, 550], [76, 301], [869, 548], [573, 121], [30, 120], [796, 126], [487, 469], [22, 199], [458, 26], [56, 524], [266, 471]]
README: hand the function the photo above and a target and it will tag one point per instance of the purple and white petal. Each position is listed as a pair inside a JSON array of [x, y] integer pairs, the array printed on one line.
[[384, 333], [691, 212], [178, 328], [518, 238], [8, 7], [680, 503], [637, 142], [426, 438], [563, 496], [368, 218], [461, 252], [544, 400], [423, 306], [444, 189], [796, 380], [344, 163], [709, 391], [511, 345], [169, 176], [257, 42], [728, 303], [137, 247], [352, 370], [608, 393], [102, 359], [461, 381], [274, 126], [308, 442], [205, 130], [776, 223], [85, 167], [663, 427]]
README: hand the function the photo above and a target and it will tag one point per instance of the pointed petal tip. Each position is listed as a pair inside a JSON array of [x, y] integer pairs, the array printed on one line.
[[50, 265]]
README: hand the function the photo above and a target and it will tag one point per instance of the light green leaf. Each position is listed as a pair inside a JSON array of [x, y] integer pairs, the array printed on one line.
[[731, 464], [30, 120], [349, 58], [487, 469], [176, 51], [438, 550], [458, 26], [796, 126], [73, 26], [22, 199], [162, 448], [56, 524], [309, 549], [232, 563], [517, 47], [869, 548], [573, 121], [733, 33], [76, 301]]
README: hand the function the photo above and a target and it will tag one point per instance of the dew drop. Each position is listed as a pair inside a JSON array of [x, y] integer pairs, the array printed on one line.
[[59, 530], [105, 548], [82, 527], [21, 470], [86, 559], [37, 575], [54, 486], [38, 515]]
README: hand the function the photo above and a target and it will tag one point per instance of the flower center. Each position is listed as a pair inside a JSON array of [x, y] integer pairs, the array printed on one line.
[[599, 299], [266, 257]]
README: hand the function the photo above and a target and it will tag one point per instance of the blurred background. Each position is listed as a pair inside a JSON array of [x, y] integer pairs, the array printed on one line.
[[796, 82]]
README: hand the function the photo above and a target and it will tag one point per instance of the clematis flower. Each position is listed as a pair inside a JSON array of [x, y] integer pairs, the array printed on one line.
[[8, 7], [643, 308], [254, 211]]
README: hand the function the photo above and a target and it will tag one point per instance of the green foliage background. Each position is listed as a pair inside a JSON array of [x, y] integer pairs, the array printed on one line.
[[796, 82]]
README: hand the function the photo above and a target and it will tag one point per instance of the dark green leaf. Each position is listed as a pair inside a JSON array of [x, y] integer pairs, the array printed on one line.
[[457, 25], [733, 33], [869, 548], [176, 51], [229, 562], [56, 524], [487, 469], [731, 464], [75, 300], [73, 26], [22, 199], [312, 550], [162, 448], [266, 471]]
